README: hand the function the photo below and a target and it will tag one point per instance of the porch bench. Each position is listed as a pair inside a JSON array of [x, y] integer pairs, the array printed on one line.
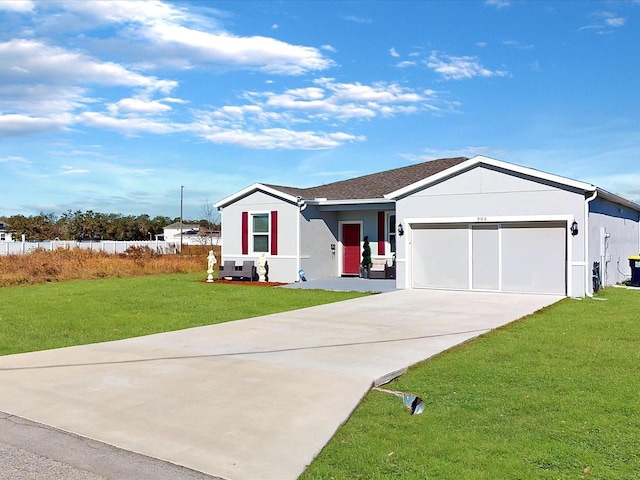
[[246, 271], [379, 269]]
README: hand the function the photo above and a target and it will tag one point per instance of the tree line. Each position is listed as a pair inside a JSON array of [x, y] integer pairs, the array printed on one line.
[[88, 225]]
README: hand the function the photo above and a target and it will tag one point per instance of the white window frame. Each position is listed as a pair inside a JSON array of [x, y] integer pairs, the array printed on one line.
[[266, 234], [389, 234]]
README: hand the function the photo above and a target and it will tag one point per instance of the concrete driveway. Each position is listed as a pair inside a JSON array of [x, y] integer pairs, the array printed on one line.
[[253, 399]]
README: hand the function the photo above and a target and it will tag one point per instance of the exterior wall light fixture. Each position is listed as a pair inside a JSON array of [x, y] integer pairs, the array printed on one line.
[[574, 228], [400, 229]]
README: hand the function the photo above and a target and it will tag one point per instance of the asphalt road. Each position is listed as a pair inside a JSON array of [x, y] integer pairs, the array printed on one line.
[[32, 451]]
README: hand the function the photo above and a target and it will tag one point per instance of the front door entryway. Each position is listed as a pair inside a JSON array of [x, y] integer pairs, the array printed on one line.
[[351, 249]]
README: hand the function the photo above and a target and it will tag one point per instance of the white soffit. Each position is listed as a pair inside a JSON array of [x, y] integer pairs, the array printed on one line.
[[482, 160]]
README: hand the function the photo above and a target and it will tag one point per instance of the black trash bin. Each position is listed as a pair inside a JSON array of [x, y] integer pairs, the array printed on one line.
[[634, 263]]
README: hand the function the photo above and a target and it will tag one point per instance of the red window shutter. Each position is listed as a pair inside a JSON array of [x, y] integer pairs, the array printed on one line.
[[274, 233], [245, 233], [381, 241]]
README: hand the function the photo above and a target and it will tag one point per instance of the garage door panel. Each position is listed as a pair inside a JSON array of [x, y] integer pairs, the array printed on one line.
[[485, 257], [441, 257], [525, 257], [534, 258]]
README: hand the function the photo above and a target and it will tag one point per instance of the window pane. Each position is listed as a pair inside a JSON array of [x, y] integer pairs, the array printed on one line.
[[392, 224], [261, 243], [392, 233], [261, 223]]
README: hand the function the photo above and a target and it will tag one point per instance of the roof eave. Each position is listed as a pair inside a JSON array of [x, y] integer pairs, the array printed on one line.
[[255, 188], [350, 201], [612, 197]]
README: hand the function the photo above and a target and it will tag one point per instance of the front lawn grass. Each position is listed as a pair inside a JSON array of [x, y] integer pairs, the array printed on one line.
[[52, 315], [553, 396]]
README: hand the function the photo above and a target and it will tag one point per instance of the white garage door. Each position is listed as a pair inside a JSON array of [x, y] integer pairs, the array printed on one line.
[[513, 257]]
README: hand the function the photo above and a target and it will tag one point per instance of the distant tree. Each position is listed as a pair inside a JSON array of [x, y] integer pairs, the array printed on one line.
[[211, 220], [86, 225], [19, 225], [157, 224]]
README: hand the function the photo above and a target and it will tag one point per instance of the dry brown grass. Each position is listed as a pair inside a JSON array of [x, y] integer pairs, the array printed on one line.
[[60, 265]]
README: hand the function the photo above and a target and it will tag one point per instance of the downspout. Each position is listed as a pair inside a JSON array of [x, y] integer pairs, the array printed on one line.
[[220, 238], [587, 271], [301, 206]]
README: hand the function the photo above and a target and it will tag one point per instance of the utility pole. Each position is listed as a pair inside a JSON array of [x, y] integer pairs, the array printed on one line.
[[181, 220]]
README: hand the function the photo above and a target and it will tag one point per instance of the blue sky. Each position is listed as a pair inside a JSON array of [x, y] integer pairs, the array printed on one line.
[[113, 106]]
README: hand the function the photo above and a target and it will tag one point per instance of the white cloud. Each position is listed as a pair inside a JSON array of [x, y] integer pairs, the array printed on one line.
[[137, 106], [69, 170], [18, 125], [343, 101], [32, 61], [44, 86], [615, 21], [174, 100], [326, 102], [47, 87], [262, 53], [21, 6], [279, 138], [173, 31], [239, 116], [458, 68], [108, 11], [78, 153], [604, 22], [377, 92], [357, 19], [14, 159], [518, 45], [40, 99], [406, 64], [128, 126], [497, 3]]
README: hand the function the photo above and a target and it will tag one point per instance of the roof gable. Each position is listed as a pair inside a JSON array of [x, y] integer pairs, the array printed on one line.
[[278, 192], [482, 160]]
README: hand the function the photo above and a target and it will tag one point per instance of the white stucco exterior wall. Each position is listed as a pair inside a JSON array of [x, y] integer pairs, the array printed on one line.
[[614, 232], [283, 267], [488, 193]]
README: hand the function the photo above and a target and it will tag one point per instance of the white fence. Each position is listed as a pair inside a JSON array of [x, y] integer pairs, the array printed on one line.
[[108, 246]]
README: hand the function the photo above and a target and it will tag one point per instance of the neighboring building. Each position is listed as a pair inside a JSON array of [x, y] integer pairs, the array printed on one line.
[[192, 234], [456, 223], [5, 235]]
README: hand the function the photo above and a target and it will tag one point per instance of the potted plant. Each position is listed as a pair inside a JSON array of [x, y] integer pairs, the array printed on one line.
[[366, 258]]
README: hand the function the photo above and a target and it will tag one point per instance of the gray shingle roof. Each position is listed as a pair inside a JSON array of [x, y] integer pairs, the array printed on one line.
[[375, 185]]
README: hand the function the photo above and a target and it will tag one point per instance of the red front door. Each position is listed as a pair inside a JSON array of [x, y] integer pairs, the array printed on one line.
[[351, 249]]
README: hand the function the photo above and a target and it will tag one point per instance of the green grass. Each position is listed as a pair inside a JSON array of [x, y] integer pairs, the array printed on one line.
[[543, 398], [52, 315]]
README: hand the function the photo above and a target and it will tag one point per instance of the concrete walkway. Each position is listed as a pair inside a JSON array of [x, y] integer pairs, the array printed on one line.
[[344, 284], [247, 400]]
